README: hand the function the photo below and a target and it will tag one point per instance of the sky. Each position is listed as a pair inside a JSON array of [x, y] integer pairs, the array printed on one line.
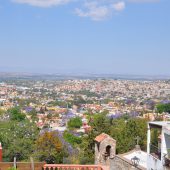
[[85, 36]]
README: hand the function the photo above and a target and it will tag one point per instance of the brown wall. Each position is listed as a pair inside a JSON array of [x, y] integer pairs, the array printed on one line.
[[0, 153], [21, 165]]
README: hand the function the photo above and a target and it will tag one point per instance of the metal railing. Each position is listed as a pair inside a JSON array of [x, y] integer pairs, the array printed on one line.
[[155, 151]]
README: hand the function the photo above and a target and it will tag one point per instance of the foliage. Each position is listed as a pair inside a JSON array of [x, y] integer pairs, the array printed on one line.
[[16, 115], [154, 136], [18, 139], [1, 112], [75, 123], [100, 123], [124, 131], [163, 108], [72, 139], [49, 148], [86, 154], [17, 135], [136, 128]]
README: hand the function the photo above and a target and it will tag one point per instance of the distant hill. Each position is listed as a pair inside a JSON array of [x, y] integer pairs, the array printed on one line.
[[36, 76]]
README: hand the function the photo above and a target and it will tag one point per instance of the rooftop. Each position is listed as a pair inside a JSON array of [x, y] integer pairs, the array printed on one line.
[[139, 154], [101, 137]]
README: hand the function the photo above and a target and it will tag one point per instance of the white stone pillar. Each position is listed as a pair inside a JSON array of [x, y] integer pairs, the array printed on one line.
[[148, 139], [163, 145]]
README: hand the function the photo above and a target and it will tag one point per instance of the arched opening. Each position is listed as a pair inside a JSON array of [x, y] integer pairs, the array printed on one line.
[[108, 150]]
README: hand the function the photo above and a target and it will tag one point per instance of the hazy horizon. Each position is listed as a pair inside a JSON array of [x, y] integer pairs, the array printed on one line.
[[84, 74]]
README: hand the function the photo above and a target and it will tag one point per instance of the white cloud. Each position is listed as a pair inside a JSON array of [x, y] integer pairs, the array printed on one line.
[[99, 10], [42, 3], [119, 6], [94, 10]]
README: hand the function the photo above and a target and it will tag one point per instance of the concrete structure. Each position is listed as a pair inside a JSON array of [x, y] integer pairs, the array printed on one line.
[[158, 156], [105, 148], [139, 154], [121, 163]]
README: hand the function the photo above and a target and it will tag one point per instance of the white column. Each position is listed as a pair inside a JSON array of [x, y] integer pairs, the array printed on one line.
[[148, 139], [163, 145]]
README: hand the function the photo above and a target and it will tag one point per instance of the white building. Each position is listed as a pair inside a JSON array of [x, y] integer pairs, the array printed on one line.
[[158, 157]]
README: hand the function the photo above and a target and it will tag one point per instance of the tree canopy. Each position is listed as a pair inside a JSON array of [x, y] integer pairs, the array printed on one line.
[[75, 123], [15, 114], [124, 131], [17, 135], [49, 148], [163, 108], [18, 139]]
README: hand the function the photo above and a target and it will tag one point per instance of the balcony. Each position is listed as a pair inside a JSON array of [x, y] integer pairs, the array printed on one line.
[[72, 167], [155, 151], [166, 158]]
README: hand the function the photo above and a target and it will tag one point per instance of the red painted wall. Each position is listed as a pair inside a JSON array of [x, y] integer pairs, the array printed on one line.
[[0, 153]]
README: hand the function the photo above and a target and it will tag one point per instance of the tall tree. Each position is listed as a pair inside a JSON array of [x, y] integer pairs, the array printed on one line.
[[18, 139], [49, 148]]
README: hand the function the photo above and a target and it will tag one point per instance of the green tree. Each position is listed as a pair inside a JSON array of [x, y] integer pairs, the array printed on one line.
[[163, 108], [86, 154], [117, 131], [99, 123], [74, 123], [123, 131], [15, 114], [134, 128], [18, 139], [49, 148], [70, 138]]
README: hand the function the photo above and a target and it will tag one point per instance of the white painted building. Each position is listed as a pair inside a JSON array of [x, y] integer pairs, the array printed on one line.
[[157, 156]]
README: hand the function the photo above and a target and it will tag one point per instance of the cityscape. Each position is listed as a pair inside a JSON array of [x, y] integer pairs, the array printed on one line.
[[84, 85], [78, 110]]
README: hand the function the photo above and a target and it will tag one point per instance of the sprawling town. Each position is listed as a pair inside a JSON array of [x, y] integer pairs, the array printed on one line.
[[96, 123], [55, 102]]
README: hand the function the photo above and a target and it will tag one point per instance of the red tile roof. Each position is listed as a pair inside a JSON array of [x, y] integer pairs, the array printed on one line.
[[101, 137]]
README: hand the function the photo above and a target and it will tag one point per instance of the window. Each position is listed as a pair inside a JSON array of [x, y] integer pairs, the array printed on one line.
[[108, 150]]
